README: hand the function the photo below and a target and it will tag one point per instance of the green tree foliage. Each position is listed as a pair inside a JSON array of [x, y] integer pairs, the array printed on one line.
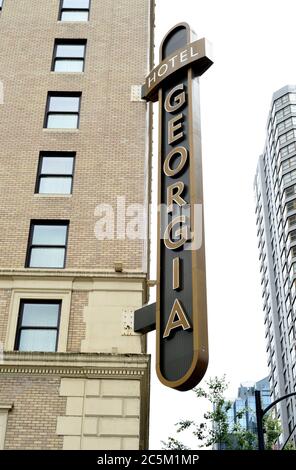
[[215, 430], [290, 446], [273, 431]]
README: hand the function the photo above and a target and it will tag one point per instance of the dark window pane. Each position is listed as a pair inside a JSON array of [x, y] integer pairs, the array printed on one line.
[[49, 235], [38, 340], [69, 65], [57, 165], [62, 121], [74, 16], [64, 103], [76, 4], [40, 315], [50, 185], [47, 258], [70, 50]]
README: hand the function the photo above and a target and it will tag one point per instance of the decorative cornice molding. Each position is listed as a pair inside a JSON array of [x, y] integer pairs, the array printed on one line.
[[75, 357], [72, 274], [79, 365], [78, 372], [6, 407]]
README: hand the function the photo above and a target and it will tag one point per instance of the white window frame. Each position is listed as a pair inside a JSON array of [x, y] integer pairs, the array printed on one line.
[[18, 295], [4, 410]]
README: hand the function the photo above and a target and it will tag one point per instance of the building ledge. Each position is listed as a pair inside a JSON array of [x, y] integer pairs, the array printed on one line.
[[72, 273], [5, 407], [77, 364]]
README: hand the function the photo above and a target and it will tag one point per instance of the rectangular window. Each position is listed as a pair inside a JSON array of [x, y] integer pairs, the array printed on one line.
[[5, 408], [288, 163], [291, 205], [292, 236], [287, 136], [281, 101], [290, 191], [55, 173], [47, 244], [62, 111], [38, 325], [291, 220], [74, 10], [284, 112], [69, 55], [287, 123], [288, 177]]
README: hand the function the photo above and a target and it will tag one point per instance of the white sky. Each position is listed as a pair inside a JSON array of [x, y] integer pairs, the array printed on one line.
[[254, 43]]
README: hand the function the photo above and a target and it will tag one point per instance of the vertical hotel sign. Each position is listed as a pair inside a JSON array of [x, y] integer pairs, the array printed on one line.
[[181, 309]]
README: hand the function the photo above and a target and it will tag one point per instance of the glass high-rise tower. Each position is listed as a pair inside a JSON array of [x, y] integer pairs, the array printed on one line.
[[242, 412], [275, 193]]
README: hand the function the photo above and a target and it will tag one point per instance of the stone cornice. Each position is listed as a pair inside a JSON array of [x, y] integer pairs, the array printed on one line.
[[5, 407], [79, 365], [72, 274]]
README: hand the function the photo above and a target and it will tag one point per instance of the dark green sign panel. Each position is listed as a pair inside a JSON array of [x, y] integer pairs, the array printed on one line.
[[181, 311]]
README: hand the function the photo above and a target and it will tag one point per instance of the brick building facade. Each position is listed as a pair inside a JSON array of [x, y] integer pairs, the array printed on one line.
[[75, 144]]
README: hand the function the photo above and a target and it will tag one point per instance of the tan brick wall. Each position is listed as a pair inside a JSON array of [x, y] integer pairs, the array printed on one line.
[[111, 148], [111, 143], [5, 296], [32, 422], [77, 401], [76, 324]]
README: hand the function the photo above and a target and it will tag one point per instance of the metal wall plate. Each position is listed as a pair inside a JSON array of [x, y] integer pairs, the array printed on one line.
[[136, 92], [128, 322]]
